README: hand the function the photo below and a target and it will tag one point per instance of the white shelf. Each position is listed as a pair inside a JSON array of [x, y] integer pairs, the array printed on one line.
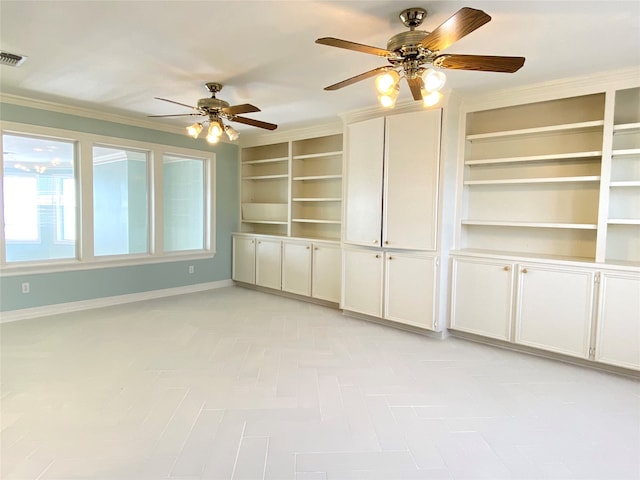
[[317, 199], [628, 183], [310, 220], [317, 155], [537, 130], [265, 177], [537, 158], [265, 222], [491, 223], [626, 128], [623, 221], [316, 177], [512, 181], [266, 160], [626, 152]]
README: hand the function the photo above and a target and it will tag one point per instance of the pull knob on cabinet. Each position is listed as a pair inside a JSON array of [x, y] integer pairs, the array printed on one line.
[[506, 268], [524, 270]]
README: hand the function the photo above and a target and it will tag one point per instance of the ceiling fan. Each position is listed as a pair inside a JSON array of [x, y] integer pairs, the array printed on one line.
[[215, 111], [408, 52]]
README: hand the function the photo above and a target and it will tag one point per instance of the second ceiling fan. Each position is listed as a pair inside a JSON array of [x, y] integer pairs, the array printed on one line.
[[408, 53]]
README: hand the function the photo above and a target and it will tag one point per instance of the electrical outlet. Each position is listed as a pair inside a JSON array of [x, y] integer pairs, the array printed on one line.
[[191, 269], [26, 288]]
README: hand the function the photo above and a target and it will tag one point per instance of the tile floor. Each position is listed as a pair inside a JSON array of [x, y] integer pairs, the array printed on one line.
[[238, 384]]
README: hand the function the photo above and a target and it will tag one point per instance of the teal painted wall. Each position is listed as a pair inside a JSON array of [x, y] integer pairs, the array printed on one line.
[[70, 286]]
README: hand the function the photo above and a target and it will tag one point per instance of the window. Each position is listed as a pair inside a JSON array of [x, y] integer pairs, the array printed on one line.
[[81, 199], [38, 198], [183, 203], [120, 201]]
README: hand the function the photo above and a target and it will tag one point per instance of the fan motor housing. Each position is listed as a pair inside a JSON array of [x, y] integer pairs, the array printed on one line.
[[404, 42], [212, 104]]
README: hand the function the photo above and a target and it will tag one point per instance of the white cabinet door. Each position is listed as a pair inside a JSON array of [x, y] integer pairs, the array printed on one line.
[[618, 334], [268, 263], [244, 259], [326, 271], [554, 309], [412, 144], [296, 267], [362, 281], [482, 297], [363, 197], [410, 289]]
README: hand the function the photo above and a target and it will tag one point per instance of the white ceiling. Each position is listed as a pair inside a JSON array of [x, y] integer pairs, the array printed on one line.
[[115, 56]]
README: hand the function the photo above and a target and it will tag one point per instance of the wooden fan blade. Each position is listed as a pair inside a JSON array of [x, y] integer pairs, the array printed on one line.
[[485, 63], [177, 115], [459, 25], [357, 78], [244, 108], [177, 103], [255, 123], [415, 84], [358, 47]]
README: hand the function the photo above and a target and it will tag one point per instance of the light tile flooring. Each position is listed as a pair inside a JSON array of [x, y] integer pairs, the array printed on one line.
[[238, 384]]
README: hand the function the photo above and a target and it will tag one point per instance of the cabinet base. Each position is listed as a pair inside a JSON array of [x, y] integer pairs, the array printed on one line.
[[627, 372], [396, 325], [273, 291]]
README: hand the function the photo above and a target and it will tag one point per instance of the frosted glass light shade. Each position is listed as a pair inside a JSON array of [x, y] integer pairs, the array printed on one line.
[[194, 130], [433, 80], [387, 81], [429, 99]]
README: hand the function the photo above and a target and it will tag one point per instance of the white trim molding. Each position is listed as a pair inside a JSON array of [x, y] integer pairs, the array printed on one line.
[[35, 312]]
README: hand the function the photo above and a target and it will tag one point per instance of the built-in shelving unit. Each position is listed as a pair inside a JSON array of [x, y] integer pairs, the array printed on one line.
[[316, 186], [293, 188], [532, 177], [265, 187], [623, 216]]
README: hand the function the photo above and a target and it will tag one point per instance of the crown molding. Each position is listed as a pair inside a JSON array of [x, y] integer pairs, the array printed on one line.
[[553, 89], [292, 134], [93, 114]]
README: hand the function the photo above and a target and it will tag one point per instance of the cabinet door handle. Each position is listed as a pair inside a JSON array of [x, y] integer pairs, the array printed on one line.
[[259, 243], [377, 255], [390, 258], [375, 242], [386, 242], [308, 247], [507, 268], [524, 270], [316, 249]]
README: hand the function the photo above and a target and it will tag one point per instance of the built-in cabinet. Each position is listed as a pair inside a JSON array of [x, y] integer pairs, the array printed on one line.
[[391, 204], [393, 285], [579, 311], [618, 327], [554, 308], [482, 297], [391, 194], [294, 265], [311, 269], [548, 246]]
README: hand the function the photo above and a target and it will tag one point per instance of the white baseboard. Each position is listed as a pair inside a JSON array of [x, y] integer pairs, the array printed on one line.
[[24, 313]]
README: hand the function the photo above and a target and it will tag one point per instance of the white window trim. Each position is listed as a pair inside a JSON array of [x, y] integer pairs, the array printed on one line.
[[85, 258]]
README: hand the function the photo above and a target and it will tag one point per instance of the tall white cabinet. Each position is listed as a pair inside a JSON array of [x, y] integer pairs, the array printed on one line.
[[548, 238], [391, 202]]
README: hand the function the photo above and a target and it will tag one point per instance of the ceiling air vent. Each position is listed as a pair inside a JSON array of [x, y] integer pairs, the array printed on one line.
[[11, 59]]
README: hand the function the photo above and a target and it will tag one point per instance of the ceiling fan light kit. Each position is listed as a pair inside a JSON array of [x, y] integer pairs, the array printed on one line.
[[409, 52], [215, 111]]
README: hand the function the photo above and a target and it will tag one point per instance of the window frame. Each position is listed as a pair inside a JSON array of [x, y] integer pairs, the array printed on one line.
[[85, 258]]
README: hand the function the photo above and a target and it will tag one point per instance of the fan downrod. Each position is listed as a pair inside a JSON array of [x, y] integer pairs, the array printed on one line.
[[413, 17]]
